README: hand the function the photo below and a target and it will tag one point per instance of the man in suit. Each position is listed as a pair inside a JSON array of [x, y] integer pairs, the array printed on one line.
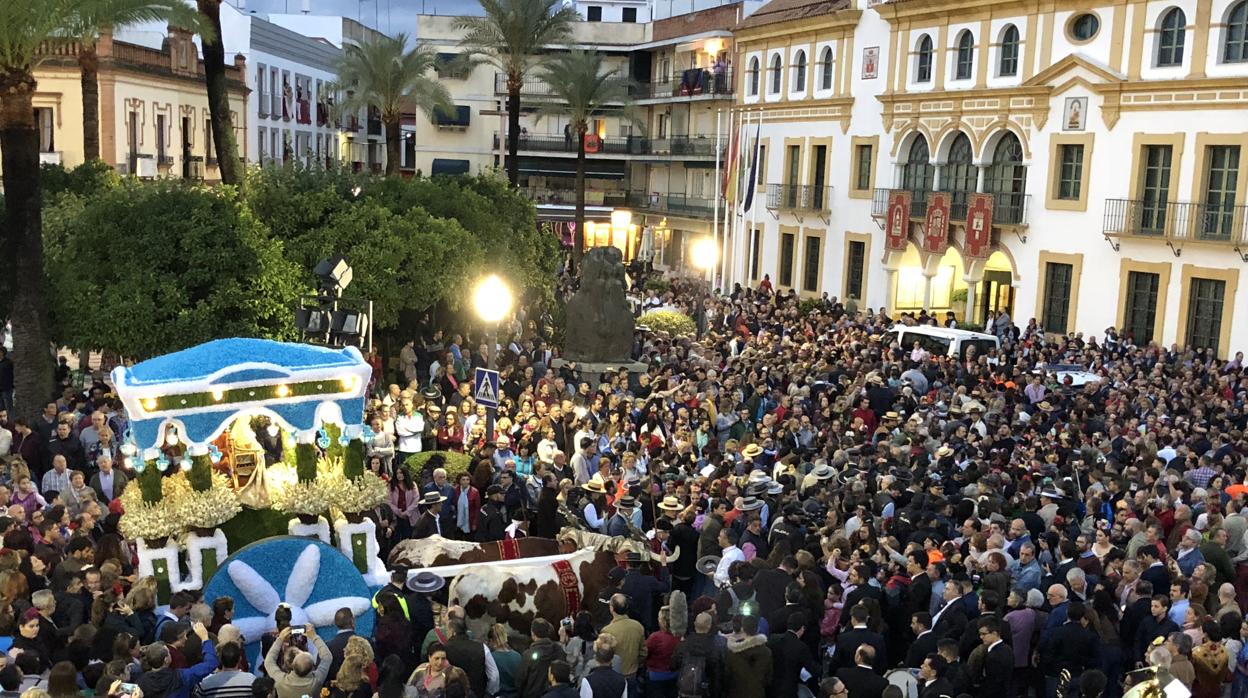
[[861, 679], [1157, 624], [860, 576], [996, 679], [430, 521], [790, 656], [989, 601], [924, 640], [1154, 572], [778, 619], [932, 681], [344, 620], [856, 636], [919, 594], [951, 619], [1072, 647], [770, 586]]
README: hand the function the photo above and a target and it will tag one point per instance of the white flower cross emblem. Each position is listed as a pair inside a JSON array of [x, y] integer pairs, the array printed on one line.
[[263, 597]]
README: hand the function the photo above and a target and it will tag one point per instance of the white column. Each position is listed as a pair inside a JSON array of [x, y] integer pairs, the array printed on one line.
[[890, 291], [970, 301], [927, 290]]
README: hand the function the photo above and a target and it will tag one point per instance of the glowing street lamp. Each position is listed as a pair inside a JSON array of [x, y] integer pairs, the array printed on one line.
[[704, 254], [492, 300]]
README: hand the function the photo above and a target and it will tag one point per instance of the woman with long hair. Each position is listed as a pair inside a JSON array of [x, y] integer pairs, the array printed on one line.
[[436, 678], [392, 634], [393, 683], [63, 681], [404, 502], [506, 659]]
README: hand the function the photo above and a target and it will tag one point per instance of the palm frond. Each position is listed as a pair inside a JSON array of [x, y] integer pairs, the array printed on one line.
[[385, 74], [93, 16], [26, 25], [586, 89], [513, 35]]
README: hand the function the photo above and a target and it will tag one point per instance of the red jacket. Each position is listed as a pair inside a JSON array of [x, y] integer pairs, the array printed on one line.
[[474, 505]]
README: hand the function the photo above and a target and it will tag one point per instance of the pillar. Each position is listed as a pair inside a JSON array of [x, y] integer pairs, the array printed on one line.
[[890, 291], [980, 175], [969, 315], [927, 290]]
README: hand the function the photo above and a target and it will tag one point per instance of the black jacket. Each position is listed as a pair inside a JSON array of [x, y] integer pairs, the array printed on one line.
[[531, 679], [952, 622], [606, 682], [847, 644], [491, 523], [922, 646], [769, 586], [426, 526], [997, 679], [337, 644], [936, 689], [1071, 647], [860, 593], [789, 656], [707, 647], [468, 655], [546, 522], [862, 682]]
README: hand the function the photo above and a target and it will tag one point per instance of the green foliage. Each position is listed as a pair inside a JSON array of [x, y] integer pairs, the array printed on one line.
[[251, 525], [149, 484], [809, 305], [512, 35], [305, 462], [200, 474], [958, 295], [168, 265], [335, 451], [88, 179], [456, 464], [659, 285], [674, 323], [353, 460], [385, 73]]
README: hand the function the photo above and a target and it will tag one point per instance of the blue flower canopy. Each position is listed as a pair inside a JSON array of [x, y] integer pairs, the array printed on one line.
[[203, 388]]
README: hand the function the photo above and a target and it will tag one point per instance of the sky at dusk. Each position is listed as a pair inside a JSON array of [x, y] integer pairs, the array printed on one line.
[[389, 16]]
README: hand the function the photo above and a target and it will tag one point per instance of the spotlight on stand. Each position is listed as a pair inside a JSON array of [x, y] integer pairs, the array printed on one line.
[[334, 276], [331, 318]]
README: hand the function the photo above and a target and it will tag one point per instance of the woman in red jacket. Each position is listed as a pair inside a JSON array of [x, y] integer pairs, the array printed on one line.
[[467, 501]]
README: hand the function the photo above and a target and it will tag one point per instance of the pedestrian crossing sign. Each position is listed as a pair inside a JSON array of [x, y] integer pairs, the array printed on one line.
[[485, 387]]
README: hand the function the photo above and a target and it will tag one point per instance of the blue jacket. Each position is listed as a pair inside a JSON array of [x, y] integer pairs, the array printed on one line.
[[178, 683]]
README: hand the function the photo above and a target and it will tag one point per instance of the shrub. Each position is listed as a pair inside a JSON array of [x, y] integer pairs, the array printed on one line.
[[674, 323], [659, 285], [456, 464], [809, 305]]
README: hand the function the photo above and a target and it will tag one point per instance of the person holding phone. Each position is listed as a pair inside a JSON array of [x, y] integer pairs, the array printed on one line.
[[306, 675], [161, 680]]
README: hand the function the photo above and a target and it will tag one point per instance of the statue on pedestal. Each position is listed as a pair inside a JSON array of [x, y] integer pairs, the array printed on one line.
[[599, 321]]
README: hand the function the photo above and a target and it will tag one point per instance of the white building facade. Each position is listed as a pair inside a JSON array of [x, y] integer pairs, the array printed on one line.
[[1108, 138]]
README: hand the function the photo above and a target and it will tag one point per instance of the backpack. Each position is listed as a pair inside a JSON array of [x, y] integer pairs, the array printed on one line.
[[736, 602], [691, 679]]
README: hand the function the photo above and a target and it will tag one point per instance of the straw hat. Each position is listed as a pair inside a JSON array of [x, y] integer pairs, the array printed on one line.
[[595, 485], [431, 498], [671, 503], [752, 451]]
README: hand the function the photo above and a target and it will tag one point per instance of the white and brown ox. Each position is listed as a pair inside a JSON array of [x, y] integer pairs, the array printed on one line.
[[436, 551], [515, 595]]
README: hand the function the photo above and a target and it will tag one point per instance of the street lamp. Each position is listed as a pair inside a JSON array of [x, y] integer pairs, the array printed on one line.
[[492, 300], [703, 253]]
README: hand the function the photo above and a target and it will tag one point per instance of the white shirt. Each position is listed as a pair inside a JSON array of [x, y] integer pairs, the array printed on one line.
[[730, 555], [410, 429]]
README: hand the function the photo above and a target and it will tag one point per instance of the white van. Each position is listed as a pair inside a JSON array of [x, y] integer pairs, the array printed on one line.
[[941, 340]]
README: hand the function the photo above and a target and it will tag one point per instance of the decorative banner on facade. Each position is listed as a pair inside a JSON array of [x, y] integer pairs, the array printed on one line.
[[897, 227], [936, 229], [978, 226], [592, 143]]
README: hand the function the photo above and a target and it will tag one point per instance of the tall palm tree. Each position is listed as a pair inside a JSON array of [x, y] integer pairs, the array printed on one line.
[[218, 97], [512, 36], [585, 89], [386, 74], [24, 28], [97, 16]]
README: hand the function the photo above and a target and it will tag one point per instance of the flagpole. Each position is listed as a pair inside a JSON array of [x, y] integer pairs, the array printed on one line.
[[758, 139], [728, 273], [717, 183], [738, 218]]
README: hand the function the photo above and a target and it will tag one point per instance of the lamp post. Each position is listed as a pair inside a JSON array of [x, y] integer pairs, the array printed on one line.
[[492, 300], [704, 255]]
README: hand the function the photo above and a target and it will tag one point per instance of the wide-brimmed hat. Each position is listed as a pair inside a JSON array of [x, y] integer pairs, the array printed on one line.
[[671, 503], [626, 502], [758, 476], [750, 504], [433, 407], [425, 582], [1044, 406], [756, 489], [431, 394], [752, 451], [892, 416], [595, 485], [431, 498], [707, 564], [944, 451], [875, 378], [774, 487], [1051, 494], [823, 471]]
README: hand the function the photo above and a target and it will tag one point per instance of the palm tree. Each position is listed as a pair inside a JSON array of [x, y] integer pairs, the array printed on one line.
[[25, 28], [98, 16], [584, 90], [386, 75], [218, 96], [512, 36]]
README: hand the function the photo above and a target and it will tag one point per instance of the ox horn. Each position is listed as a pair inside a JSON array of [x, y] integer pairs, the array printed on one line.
[[671, 557]]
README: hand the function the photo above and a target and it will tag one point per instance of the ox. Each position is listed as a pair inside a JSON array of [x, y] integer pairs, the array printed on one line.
[[514, 595], [436, 551]]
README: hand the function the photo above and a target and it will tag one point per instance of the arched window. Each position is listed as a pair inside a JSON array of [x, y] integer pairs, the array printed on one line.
[[923, 65], [799, 72], [960, 175], [1235, 46], [966, 57], [825, 68], [775, 74], [752, 77], [1007, 66], [1171, 37], [917, 173], [1007, 178]]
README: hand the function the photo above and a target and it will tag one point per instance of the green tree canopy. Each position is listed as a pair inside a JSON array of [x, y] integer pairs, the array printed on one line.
[[148, 268]]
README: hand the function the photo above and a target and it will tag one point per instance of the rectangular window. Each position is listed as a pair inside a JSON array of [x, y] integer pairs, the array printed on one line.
[[262, 103], [788, 247], [593, 13], [792, 173], [45, 122], [855, 266], [862, 164], [762, 164], [756, 253], [1056, 312], [275, 95], [160, 137], [810, 264], [1140, 313], [630, 14], [1070, 174], [264, 146], [1219, 200], [209, 153], [1204, 313], [819, 178], [1155, 189]]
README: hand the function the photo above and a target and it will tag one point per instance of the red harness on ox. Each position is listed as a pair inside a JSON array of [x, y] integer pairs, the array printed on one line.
[[567, 582], [509, 549]]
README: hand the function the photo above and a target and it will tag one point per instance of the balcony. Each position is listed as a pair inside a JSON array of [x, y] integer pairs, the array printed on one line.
[[685, 146], [565, 144], [673, 204], [49, 157], [529, 87], [374, 127], [799, 199], [1176, 222], [695, 82], [1008, 209], [165, 160]]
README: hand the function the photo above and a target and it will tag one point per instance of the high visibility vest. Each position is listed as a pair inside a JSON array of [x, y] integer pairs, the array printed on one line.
[[402, 602]]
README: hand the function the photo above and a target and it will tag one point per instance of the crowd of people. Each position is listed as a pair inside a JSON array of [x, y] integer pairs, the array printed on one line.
[[846, 517]]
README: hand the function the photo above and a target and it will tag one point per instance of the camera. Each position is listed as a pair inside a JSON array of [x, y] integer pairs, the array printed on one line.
[[296, 631]]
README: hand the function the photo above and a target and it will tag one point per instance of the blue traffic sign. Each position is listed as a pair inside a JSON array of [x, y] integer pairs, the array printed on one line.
[[485, 387]]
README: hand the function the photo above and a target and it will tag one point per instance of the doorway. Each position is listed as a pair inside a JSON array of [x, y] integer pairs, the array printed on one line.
[[993, 294]]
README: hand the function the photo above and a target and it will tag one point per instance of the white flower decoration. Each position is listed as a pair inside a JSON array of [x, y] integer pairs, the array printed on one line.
[[263, 597]]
